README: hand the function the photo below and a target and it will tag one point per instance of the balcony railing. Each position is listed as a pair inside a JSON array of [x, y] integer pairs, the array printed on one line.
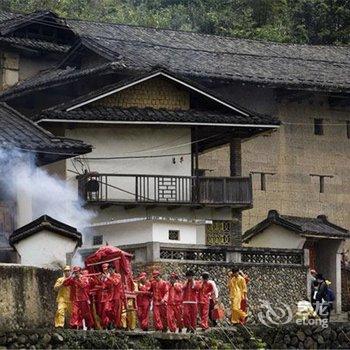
[[169, 190]]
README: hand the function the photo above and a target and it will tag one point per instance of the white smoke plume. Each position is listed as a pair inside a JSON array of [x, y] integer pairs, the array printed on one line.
[[48, 194]]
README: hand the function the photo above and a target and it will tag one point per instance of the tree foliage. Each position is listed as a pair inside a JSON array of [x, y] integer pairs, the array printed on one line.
[[294, 21]]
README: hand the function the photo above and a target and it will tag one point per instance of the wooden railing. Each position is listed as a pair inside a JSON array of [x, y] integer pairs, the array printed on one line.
[[95, 187]]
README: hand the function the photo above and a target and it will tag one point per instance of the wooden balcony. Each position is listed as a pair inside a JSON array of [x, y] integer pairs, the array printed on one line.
[[155, 190]]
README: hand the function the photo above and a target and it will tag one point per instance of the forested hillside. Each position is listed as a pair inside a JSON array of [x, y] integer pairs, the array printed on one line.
[[294, 21]]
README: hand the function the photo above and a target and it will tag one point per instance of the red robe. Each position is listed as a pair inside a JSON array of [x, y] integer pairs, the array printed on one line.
[[105, 299], [143, 305], [205, 292], [189, 302], [80, 302], [159, 290], [117, 299], [174, 306]]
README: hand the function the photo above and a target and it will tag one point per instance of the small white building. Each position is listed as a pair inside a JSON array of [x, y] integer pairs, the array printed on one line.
[[323, 240], [45, 242]]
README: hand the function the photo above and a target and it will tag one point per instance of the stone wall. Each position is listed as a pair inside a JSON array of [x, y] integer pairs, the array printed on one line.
[[27, 299], [156, 93], [275, 284], [290, 336]]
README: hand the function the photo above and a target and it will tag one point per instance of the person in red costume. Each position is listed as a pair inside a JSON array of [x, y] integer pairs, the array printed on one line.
[[159, 289], [105, 296], [189, 302], [143, 301], [118, 298], [205, 293], [174, 304], [80, 299]]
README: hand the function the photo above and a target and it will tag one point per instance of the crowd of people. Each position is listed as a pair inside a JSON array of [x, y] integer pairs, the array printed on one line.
[[100, 301]]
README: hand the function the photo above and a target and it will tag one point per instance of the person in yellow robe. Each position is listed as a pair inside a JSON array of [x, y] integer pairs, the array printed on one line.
[[237, 291], [63, 299], [129, 315]]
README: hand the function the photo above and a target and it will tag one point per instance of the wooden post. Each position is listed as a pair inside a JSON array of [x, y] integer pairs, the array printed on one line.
[[235, 157]]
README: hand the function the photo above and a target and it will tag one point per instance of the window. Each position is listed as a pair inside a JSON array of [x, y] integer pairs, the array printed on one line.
[[318, 126], [262, 178], [348, 129], [97, 240], [322, 180], [174, 235]]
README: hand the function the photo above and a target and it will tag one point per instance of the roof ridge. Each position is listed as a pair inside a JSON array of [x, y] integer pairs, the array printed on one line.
[[201, 34], [273, 55]]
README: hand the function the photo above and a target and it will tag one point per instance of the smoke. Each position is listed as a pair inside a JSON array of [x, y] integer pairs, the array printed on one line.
[[47, 193]]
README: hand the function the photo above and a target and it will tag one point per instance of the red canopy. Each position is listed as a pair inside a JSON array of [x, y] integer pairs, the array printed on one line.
[[114, 256]]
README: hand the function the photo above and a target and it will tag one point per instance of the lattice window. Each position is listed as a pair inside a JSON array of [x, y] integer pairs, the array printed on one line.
[[167, 189], [272, 258], [174, 235], [219, 233], [200, 255]]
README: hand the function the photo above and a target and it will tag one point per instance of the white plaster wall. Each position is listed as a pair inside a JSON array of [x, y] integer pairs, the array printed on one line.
[[145, 231], [121, 234], [188, 232], [45, 249], [121, 141], [277, 237]]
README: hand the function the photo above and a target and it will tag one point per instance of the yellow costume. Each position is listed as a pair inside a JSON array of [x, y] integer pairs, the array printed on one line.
[[238, 290], [129, 316], [63, 302]]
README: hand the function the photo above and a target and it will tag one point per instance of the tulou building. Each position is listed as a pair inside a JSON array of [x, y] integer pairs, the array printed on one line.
[[196, 140]]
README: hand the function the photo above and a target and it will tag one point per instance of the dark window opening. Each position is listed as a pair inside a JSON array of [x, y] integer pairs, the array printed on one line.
[[322, 181], [318, 126], [97, 240], [262, 178], [174, 235]]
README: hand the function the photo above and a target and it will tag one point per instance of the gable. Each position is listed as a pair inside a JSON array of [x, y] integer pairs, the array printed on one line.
[[199, 97], [276, 236], [40, 25], [157, 93]]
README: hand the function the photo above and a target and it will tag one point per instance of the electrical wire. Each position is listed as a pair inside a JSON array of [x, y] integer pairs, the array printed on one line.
[[137, 157]]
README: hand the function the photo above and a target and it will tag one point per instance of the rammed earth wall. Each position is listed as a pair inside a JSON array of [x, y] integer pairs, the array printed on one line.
[[273, 283], [27, 299]]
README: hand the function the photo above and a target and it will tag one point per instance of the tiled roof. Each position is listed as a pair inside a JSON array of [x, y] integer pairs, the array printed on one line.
[[18, 132], [321, 67], [45, 222], [306, 226], [59, 76], [10, 22], [156, 115], [34, 44], [209, 56]]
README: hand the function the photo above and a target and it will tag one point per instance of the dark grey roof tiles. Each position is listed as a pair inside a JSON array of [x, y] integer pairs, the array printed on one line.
[[18, 132], [35, 44], [45, 222], [157, 115], [319, 226], [208, 56]]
